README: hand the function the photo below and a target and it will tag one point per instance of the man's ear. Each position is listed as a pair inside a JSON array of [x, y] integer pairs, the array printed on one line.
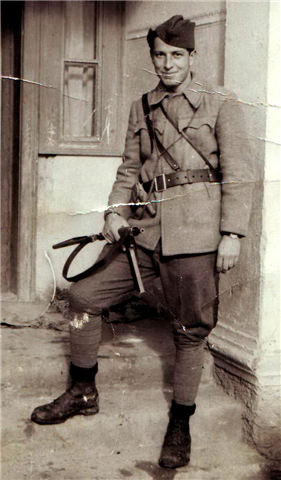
[[192, 57]]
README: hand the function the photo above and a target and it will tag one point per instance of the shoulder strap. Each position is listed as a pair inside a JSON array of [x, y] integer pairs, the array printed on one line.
[[183, 134], [146, 111], [153, 136]]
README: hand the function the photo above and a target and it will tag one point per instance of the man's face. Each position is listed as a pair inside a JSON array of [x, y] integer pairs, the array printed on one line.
[[172, 64]]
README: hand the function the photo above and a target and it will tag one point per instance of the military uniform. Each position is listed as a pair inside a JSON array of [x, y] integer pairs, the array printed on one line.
[[190, 218]]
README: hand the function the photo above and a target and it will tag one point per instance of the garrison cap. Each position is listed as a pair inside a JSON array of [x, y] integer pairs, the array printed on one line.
[[176, 32]]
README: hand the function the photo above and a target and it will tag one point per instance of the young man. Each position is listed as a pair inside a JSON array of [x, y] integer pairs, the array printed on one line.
[[187, 161]]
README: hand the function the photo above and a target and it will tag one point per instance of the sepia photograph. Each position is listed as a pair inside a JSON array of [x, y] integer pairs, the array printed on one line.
[[140, 240]]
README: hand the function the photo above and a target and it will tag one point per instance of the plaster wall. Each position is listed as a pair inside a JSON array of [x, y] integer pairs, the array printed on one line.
[[236, 336], [72, 195], [265, 428], [146, 14], [256, 380], [270, 240]]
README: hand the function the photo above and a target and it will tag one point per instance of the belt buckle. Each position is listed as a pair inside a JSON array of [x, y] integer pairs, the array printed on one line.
[[162, 179]]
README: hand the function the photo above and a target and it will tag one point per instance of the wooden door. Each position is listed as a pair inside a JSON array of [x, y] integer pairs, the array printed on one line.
[[10, 110]]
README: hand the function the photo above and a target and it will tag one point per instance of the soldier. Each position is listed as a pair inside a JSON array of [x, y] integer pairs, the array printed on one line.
[[185, 166]]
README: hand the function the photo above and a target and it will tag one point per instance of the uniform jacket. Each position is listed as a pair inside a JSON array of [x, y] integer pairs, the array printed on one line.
[[190, 218]]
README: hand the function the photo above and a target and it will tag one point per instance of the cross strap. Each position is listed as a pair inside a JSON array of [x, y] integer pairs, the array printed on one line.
[[154, 137], [183, 134], [146, 111]]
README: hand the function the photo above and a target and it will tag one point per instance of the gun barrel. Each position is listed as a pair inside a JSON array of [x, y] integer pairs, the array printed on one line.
[[135, 231], [130, 231]]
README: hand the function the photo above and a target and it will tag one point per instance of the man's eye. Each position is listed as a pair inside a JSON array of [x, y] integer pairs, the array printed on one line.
[[158, 54], [178, 54]]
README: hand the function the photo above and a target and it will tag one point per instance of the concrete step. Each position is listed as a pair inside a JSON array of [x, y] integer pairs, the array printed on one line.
[[124, 439], [140, 353]]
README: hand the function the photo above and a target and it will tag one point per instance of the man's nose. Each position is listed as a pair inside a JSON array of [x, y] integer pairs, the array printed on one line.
[[168, 62]]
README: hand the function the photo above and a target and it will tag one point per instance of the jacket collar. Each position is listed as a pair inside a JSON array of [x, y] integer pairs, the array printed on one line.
[[191, 91]]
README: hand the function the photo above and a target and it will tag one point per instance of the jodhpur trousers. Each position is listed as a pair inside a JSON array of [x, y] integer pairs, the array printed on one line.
[[190, 286]]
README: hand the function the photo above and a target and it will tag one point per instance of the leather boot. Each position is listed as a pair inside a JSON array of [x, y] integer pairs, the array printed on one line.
[[81, 398], [177, 442]]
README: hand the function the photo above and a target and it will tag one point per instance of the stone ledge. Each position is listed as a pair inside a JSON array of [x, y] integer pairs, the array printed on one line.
[[261, 416]]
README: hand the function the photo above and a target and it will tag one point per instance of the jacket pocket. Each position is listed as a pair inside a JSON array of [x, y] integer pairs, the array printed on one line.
[[140, 125], [142, 130], [158, 124], [197, 122]]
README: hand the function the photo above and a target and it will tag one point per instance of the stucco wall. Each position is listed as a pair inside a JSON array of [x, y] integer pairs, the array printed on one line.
[[72, 192], [265, 424], [248, 337], [246, 74]]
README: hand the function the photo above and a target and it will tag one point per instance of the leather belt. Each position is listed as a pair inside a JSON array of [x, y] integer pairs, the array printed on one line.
[[168, 180]]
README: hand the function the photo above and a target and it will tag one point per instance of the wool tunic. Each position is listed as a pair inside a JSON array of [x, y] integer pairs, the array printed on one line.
[[189, 218]]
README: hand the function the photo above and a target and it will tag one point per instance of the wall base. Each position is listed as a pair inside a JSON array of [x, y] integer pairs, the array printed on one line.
[[261, 414]]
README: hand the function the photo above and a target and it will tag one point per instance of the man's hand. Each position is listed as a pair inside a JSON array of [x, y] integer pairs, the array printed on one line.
[[112, 224], [228, 253]]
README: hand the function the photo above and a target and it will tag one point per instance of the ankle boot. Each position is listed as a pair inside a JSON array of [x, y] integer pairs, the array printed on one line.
[[177, 442], [81, 398]]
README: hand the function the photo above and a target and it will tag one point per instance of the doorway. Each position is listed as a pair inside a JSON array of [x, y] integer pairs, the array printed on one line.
[[11, 20]]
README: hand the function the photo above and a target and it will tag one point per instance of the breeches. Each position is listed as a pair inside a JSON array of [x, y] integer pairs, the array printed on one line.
[[190, 286]]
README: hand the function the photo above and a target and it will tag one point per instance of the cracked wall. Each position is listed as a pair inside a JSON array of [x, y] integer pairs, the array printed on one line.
[[67, 185]]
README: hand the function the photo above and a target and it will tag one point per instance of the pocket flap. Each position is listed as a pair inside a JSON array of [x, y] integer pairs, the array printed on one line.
[[198, 122], [158, 124], [141, 125]]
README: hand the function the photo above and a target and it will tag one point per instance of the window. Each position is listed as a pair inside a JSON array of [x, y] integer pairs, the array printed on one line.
[[80, 73]]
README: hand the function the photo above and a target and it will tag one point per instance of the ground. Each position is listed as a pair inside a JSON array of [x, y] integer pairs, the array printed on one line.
[[124, 439]]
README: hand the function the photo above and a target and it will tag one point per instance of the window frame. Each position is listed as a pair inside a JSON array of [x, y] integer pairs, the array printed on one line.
[[52, 61]]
